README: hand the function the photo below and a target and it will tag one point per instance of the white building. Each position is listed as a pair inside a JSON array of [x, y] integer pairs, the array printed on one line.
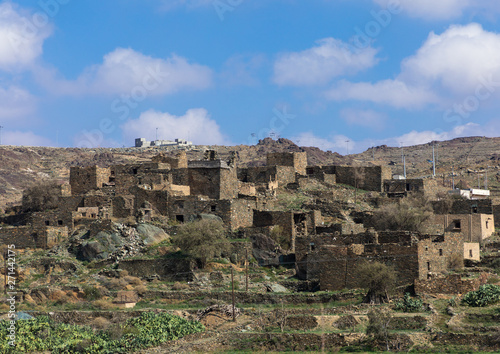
[[141, 142], [471, 193]]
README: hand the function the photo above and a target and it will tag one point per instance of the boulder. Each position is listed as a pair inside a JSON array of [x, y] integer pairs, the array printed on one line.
[[151, 234]]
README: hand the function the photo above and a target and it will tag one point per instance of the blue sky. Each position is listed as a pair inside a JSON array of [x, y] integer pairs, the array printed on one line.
[[320, 72]]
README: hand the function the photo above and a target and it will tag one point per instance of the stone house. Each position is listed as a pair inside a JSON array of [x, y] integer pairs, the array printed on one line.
[[333, 260]]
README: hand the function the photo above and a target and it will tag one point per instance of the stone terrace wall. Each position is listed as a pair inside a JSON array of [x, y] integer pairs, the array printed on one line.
[[178, 269], [452, 284], [21, 236]]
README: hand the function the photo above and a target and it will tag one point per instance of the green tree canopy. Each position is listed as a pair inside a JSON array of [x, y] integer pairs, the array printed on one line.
[[378, 278], [203, 239]]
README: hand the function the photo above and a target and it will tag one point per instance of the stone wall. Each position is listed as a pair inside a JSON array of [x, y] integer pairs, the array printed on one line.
[[451, 284], [123, 206], [265, 174], [85, 179], [21, 237], [436, 253], [180, 161], [29, 237], [215, 183], [178, 269], [58, 217], [55, 235], [339, 263], [370, 178], [473, 227], [463, 206], [298, 160], [472, 251]]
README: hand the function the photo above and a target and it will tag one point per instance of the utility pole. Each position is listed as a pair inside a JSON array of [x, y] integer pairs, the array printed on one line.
[[246, 270], [404, 166], [486, 178], [433, 162], [156, 134], [437, 153], [232, 291], [1, 134], [453, 176], [347, 147]]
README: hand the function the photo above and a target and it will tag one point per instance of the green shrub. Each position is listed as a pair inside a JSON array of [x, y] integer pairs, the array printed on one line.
[[91, 293], [407, 304], [486, 295]]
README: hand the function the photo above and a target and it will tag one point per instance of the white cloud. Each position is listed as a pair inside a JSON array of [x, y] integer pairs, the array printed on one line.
[[196, 125], [430, 9], [334, 143], [364, 118], [391, 92], [456, 60], [318, 65], [15, 104], [124, 70], [463, 60], [21, 36], [127, 72], [24, 138], [338, 142]]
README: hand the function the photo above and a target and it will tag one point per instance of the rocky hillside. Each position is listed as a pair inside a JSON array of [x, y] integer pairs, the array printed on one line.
[[469, 157]]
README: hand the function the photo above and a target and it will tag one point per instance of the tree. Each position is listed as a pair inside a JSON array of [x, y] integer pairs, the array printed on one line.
[[378, 325], [41, 197], [203, 239], [410, 215], [378, 278]]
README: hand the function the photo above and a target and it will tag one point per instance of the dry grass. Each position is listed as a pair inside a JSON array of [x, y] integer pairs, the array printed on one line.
[[133, 280], [103, 304], [141, 290], [100, 323], [180, 286]]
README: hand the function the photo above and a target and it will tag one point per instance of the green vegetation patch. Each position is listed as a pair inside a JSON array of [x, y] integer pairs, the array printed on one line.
[[407, 304], [41, 334], [487, 294]]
